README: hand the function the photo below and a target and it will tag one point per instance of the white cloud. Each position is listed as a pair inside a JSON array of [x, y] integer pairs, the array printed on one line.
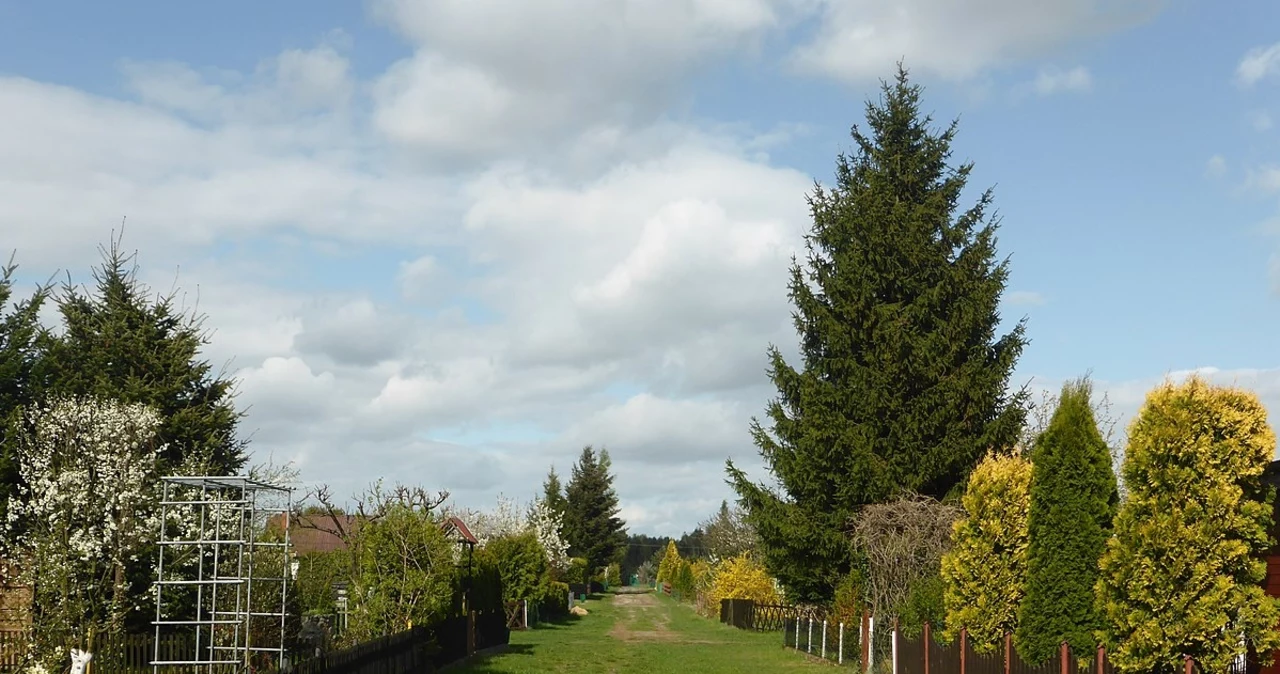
[[1265, 178], [1216, 166], [492, 79], [1051, 81], [860, 40], [1258, 63], [1261, 120]]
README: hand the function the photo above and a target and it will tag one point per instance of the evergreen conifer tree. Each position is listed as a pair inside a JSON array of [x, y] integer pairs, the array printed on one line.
[[903, 383], [591, 524], [20, 372], [120, 344], [1073, 501]]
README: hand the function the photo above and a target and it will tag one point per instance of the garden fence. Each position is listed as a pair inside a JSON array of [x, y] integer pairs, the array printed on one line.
[[880, 647], [418, 649], [122, 654]]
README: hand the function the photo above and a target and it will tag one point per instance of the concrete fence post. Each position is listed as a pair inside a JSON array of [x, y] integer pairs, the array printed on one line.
[[824, 638], [808, 645], [797, 630], [840, 653]]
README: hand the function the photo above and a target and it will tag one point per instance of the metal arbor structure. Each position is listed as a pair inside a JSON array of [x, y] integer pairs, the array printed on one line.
[[221, 579]]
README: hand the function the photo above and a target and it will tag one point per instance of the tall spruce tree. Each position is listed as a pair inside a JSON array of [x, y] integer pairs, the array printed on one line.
[[1073, 501], [21, 378], [591, 524], [903, 383], [119, 343]]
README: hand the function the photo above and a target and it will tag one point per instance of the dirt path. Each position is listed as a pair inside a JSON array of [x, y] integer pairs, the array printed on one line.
[[644, 619]]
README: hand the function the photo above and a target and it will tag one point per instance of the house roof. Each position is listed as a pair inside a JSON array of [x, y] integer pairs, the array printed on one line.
[[315, 533]]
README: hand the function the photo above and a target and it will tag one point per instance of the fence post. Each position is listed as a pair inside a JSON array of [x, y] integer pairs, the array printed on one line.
[[964, 648], [824, 638], [797, 630], [928, 641], [840, 652], [866, 641], [471, 632], [808, 645], [1008, 652], [525, 606], [1186, 664], [1064, 653], [1100, 661]]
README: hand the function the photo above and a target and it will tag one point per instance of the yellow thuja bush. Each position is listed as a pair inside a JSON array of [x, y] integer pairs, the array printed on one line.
[[669, 567], [742, 577], [985, 571], [1183, 573]]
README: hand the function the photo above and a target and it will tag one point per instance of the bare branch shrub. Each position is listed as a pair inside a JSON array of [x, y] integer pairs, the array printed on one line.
[[903, 541]]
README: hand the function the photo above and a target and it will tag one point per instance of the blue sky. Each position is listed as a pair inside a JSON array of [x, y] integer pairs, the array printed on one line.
[[451, 242]]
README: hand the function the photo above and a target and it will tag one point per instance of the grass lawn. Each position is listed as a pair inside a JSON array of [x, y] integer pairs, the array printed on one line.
[[644, 634]]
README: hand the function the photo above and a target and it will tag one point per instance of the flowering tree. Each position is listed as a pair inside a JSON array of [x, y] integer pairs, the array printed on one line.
[[509, 520], [85, 512]]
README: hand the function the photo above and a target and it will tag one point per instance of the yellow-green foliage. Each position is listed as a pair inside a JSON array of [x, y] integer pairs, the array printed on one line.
[[986, 568], [742, 577], [1182, 574], [670, 564]]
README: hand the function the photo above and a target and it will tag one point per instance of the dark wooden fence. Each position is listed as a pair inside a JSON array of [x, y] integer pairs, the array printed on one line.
[[420, 649]]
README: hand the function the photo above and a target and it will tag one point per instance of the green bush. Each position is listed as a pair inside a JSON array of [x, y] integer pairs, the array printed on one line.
[[485, 583], [317, 574], [521, 562], [554, 601], [926, 603], [405, 574], [577, 572]]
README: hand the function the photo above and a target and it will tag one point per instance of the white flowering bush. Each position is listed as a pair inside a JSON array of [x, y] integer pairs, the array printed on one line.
[[509, 519], [85, 514]]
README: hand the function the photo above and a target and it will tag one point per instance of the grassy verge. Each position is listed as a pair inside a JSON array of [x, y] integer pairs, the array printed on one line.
[[641, 634]]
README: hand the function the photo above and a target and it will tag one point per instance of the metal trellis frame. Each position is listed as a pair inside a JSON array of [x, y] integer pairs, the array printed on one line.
[[212, 586]]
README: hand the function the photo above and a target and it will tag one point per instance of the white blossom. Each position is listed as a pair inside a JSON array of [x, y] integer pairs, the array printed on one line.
[[510, 519]]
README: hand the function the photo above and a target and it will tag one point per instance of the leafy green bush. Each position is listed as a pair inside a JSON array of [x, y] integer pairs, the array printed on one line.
[[925, 604], [405, 573], [317, 574], [485, 582], [521, 562], [554, 601], [577, 572]]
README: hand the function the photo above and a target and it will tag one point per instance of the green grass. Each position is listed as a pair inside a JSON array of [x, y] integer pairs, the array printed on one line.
[[655, 635]]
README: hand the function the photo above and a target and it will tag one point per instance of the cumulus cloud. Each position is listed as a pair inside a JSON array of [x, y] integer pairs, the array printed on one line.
[[1257, 64], [858, 40], [490, 79]]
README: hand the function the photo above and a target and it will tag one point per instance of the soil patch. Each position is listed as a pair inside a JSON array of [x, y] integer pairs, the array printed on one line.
[[644, 619]]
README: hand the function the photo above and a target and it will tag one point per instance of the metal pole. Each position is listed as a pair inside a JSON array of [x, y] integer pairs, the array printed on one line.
[[797, 630], [286, 570], [164, 498], [204, 496], [824, 638], [841, 651], [809, 644], [871, 654], [895, 646]]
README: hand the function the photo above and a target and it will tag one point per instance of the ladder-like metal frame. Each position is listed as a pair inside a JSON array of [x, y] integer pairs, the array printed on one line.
[[231, 514]]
